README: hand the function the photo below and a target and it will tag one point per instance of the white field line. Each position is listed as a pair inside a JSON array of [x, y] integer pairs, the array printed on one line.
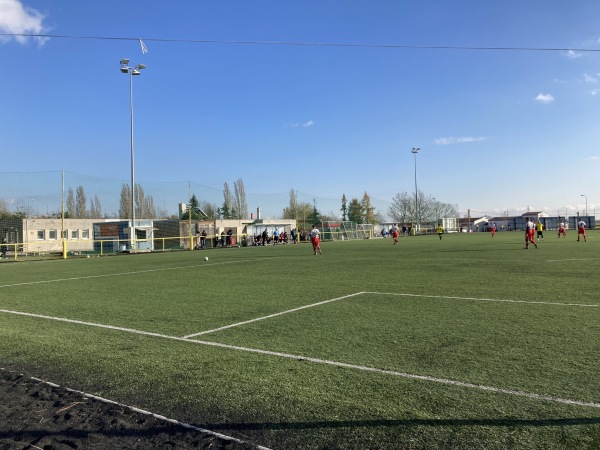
[[411, 376], [270, 316], [447, 297], [133, 272], [572, 259], [444, 297], [148, 413]]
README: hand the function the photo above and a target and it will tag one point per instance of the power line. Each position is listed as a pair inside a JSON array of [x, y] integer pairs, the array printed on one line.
[[307, 44]]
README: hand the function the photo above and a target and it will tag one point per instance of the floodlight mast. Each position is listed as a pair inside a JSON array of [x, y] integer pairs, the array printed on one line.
[[125, 68], [414, 151], [584, 195]]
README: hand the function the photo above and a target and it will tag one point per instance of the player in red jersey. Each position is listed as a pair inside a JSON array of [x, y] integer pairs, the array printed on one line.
[[315, 239], [529, 233]]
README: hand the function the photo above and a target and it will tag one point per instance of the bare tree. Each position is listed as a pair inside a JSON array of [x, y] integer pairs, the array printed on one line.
[[80, 203], [71, 203], [227, 211], [241, 207], [3, 208], [95, 208], [125, 202], [402, 208]]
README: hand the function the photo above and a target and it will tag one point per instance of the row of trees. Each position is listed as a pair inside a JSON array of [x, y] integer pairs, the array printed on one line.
[[234, 205], [405, 208]]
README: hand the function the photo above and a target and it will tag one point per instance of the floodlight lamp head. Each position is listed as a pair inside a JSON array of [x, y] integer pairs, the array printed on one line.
[[124, 69], [125, 61], [135, 72], [140, 66]]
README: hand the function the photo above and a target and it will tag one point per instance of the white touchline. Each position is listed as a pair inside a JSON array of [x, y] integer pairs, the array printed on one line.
[[572, 259], [272, 315], [530, 395], [447, 297], [148, 413], [134, 272]]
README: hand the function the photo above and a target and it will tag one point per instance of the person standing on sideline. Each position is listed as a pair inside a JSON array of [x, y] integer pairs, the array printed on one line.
[[561, 230], [540, 230], [493, 229], [265, 237], [3, 248], [203, 239], [315, 237], [581, 230], [440, 231], [275, 236], [395, 233], [529, 233]]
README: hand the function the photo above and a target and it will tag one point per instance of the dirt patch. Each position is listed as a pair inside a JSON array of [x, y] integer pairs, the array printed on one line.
[[36, 415]]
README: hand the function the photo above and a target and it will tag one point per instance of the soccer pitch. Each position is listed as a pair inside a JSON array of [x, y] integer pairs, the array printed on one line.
[[465, 342]]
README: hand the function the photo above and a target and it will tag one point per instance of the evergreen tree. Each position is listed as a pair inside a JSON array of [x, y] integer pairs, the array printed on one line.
[[368, 210], [344, 208], [355, 211], [315, 216]]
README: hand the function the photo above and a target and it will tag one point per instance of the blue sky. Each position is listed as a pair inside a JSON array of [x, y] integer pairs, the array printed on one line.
[[498, 129]]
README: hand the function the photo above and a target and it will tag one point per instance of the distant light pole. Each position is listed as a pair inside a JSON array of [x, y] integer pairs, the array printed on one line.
[[583, 195], [414, 151], [131, 71]]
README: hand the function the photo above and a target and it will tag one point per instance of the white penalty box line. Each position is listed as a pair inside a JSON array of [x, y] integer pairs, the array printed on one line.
[[498, 390], [440, 297], [270, 316]]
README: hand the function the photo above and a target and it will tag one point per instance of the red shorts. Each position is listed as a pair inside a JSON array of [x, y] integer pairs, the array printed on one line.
[[395, 234], [581, 230], [315, 242], [530, 234]]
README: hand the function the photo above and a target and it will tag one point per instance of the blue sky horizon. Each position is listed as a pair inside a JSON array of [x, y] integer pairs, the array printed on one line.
[[326, 98]]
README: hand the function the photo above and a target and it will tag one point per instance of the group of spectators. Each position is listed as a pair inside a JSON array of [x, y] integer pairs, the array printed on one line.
[[276, 238], [225, 239]]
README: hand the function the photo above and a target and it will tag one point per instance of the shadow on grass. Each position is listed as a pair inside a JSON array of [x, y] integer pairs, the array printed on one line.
[[406, 423]]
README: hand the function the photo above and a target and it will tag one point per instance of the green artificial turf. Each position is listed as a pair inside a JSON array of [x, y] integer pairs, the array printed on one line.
[[503, 335]]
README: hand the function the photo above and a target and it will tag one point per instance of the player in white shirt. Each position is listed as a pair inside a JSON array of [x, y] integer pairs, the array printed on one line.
[[529, 233], [581, 230], [315, 239], [561, 229]]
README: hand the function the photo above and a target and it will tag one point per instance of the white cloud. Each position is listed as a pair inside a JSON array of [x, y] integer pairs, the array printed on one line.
[[544, 98], [587, 78], [18, 19], [595, 91], [572, 54], [458, 140], [306, 124]]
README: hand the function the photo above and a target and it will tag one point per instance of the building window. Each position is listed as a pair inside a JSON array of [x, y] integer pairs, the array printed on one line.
[[41, 235], [85, 234], [65, 234], [52, 235], [74, 234]]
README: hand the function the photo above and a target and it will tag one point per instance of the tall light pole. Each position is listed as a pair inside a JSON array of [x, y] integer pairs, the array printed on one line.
[[125, 68], [414, 151], [583, 195]]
